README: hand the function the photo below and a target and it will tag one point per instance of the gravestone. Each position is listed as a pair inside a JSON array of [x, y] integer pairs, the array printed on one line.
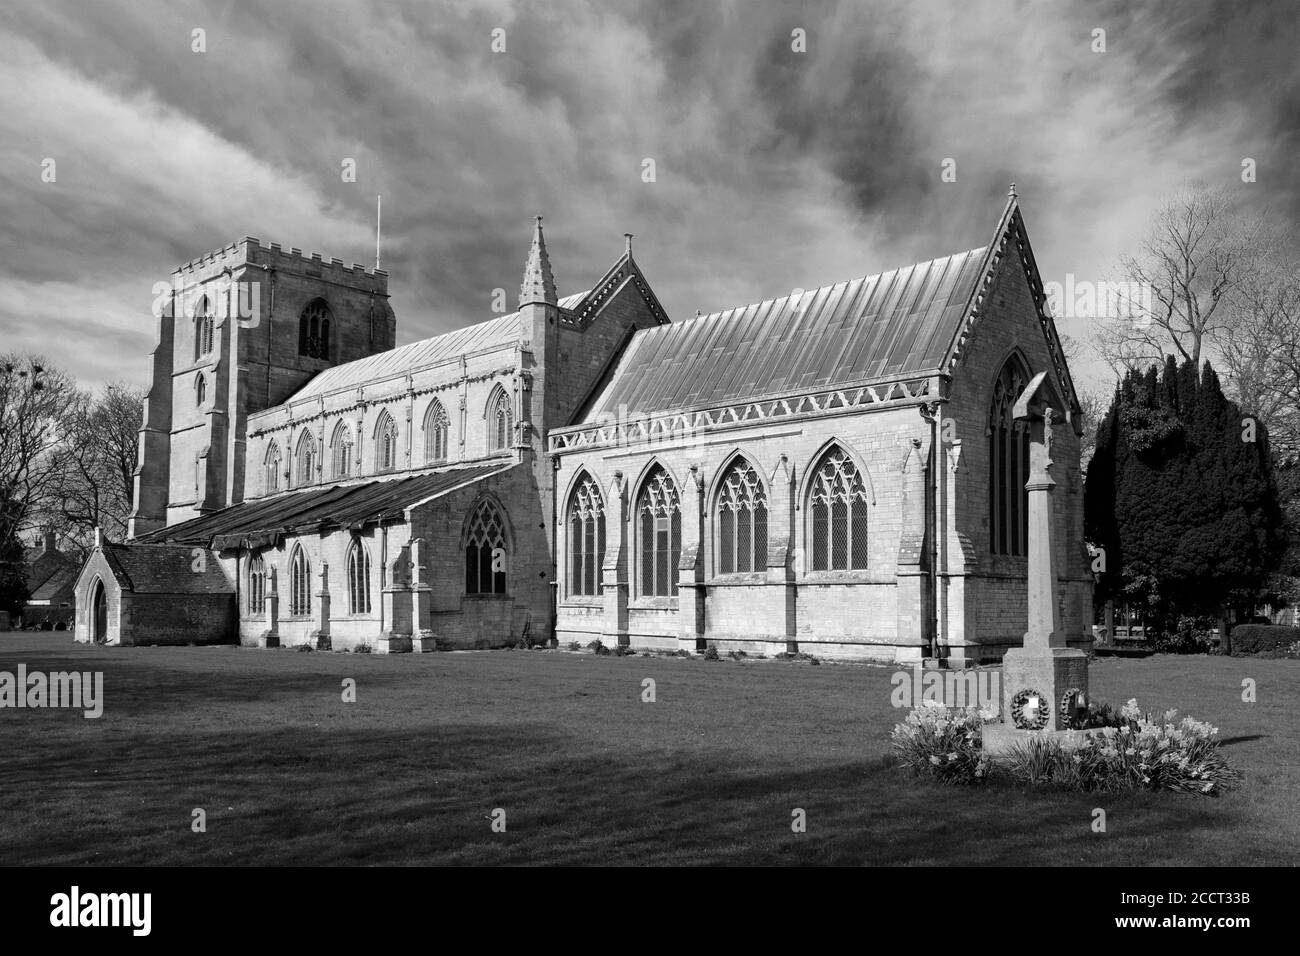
[[1037, 677]]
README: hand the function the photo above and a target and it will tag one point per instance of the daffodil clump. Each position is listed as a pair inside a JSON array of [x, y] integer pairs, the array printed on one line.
[[945, 744]]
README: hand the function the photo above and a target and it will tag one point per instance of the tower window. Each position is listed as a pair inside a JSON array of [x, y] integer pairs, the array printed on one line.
[[200, 391], [314, 330], [203, 329]]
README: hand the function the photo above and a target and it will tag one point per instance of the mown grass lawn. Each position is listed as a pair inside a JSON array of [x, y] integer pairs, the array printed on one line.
[[586, 772]]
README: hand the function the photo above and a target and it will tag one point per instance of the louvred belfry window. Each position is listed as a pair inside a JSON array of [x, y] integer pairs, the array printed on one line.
[[659, 515], [742, 520], [586, 538], [838, 504], [203, 329]]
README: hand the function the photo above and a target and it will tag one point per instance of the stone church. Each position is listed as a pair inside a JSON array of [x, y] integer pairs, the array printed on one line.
[[835, 471]]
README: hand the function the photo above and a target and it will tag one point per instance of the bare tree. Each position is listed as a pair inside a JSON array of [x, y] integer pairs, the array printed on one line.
[[1197, 252], [1261, 348], [33, 399], [99, 458]]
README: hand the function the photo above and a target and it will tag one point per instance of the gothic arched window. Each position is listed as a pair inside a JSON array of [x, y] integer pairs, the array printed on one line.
[[500, 421], [271, 468], [1008, 463], [314, 330], [837, 509], [203, 329], [435, 432], [256, 586], [358, 579], [341, 452], [742, 520], [305, 460], [659, 517], [385, 442], [200, 390], [299, 583], [485, 550], [586, 538]]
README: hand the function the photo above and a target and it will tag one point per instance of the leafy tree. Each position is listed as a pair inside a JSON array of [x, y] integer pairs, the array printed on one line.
[[1181, 494]]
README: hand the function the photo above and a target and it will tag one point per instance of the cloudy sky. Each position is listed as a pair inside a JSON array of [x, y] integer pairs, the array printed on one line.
[[774, 168]]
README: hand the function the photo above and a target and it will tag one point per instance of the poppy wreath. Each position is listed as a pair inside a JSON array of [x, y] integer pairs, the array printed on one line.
[[1069, 701], [1018, 711]]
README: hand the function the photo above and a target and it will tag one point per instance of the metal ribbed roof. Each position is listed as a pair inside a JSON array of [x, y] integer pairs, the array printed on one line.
[[878, 327], [417, 355], [318, 509]]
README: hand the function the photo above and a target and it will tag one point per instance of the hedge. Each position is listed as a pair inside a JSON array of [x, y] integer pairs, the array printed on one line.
[[1261, 638]]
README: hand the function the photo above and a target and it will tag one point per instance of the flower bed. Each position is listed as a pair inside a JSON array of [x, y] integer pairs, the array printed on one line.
[[1142, 753]]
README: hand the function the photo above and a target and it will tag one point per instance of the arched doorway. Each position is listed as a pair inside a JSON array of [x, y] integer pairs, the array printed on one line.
[[99, 613]]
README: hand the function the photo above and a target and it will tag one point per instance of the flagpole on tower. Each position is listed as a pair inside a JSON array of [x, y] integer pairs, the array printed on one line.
[[379, 216]]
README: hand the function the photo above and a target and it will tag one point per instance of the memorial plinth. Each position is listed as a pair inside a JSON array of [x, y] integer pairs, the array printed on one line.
[[1044, 676]]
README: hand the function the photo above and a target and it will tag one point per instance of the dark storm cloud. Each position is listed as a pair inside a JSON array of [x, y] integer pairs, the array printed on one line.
[[774, 168]]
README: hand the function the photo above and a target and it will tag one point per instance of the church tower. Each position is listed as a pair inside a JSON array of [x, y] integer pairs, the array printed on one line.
[[240, 330]]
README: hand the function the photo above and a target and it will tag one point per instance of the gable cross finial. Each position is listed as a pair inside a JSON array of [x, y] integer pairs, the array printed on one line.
[[1012, 191]]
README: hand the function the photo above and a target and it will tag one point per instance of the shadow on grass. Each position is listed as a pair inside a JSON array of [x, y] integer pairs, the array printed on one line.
[[352, 797]]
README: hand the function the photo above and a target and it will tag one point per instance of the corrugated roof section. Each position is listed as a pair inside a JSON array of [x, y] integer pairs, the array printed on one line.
[[878, 327], [417, 355], [338, 506]]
